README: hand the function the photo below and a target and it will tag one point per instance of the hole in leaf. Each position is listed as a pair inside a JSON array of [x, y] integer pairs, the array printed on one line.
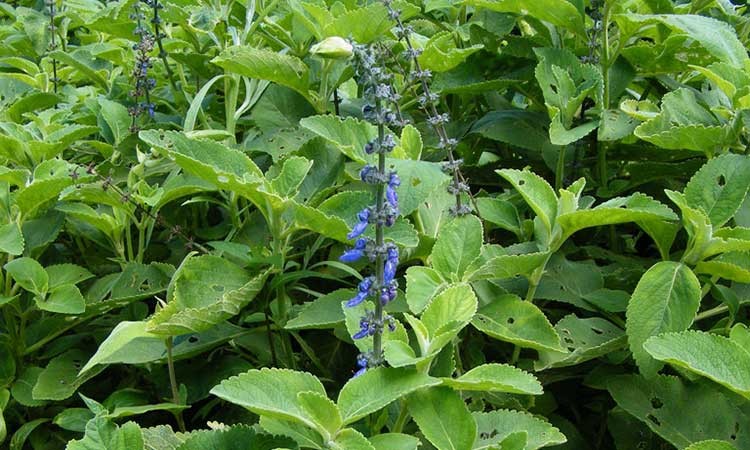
[[597, 331], [721, 180], [511, 321], [218, 288], [521, 182], [653, 419], [193, 339], [656, 403], [568, 340], [416, 181]]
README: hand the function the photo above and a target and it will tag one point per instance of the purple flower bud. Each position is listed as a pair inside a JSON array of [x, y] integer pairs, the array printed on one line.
[[364, 292], [359, 298], [355, 253], [391, 263], [358, 229]]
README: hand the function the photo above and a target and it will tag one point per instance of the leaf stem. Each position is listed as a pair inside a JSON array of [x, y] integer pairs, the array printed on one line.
[[173, 384]]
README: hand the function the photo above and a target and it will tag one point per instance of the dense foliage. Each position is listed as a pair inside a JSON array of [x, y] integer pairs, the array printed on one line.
[[335, 224]]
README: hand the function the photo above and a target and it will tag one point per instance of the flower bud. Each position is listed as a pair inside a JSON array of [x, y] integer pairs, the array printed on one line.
[[333, 47]]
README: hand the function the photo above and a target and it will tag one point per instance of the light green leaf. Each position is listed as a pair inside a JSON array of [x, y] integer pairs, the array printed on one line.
[[495, 426], [536, 191], [238, 437], [496, 378], [117, 118], [11, 239], [410, 146], [506, 266], [63, 299], [349, 135], [501, 213], [363, 25], [262, 64], [292, 174], [422, 284], [103, 433], [378, 387], [60, 274], [271, 392], [510, 319], [351, 439], [205, 290], [712, 445], [321, 410], [562, 14], [29, 274], [394, 441], [719, 187], [458, 244], [443, 418], [440, 53], [712, 356], [666, 299]]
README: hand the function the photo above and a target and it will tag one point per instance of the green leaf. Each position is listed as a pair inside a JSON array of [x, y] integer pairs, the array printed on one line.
[[715, 357], [666, 298], [103, 433], [501, 213], [205, 290], [440, 53], [525, 129], [63, 299], [117, 118], [422, 284], [634, 208], [712, 445], [419, 181], [719, 187], [669, 407], [363, 25], [29, 274], [73, 419], [304, 436], [718, 37], [410, 146], [562, 14], [271, 392], [60, 379], [78, 61], [378, 387], [238, 437], [495, 426], [450, 310], [323, 312], [349, 135], [506, 266], [585, 339], [292, 174], [351, 439], [262, 64], [11, 239], [443, 418], [394, 441], [496, 378], [536, 191], [458, 244], [510, 319], [131, 343], [60, 274], [322, 411]]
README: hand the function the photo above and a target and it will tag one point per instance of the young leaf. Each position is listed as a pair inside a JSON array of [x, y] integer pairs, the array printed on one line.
[[351, 439], [394, 441], [11, 239], [666, 299], [459, 243], [443, 418], [536, 191], [422, 284], [712, 356], [321, 410], [63, 299], [378, 387]]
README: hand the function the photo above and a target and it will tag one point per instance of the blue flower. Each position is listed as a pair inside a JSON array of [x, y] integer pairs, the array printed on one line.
[[388, 293], [361, 226], [364, 292], [355, 253], [362, 362], [391, 262], [390, 192], [365, 328]]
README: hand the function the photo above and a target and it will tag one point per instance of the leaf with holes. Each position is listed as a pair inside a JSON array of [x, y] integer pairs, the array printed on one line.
[[510, 319], [204, 291], [495, 426], [719, 187], [585, 339]]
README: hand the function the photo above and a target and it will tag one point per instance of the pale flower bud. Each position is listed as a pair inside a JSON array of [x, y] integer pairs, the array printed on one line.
[[333, 47]]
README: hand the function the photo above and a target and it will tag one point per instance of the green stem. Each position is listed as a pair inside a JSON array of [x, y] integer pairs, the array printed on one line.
[[707, 314], [231, 94], [560, 169], [173, 384], [403, 417], [377, 338]]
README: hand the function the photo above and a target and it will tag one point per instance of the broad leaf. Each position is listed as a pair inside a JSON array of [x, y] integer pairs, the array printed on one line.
[[712, 356], [719, 187], [443, 418], [666, 299], [536, 191], [495, 426], [458, 244], [496, 378], [378, 387]]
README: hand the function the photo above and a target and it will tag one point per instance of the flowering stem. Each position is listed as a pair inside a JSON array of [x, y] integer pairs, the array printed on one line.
[[53, 44], [377, 338]]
